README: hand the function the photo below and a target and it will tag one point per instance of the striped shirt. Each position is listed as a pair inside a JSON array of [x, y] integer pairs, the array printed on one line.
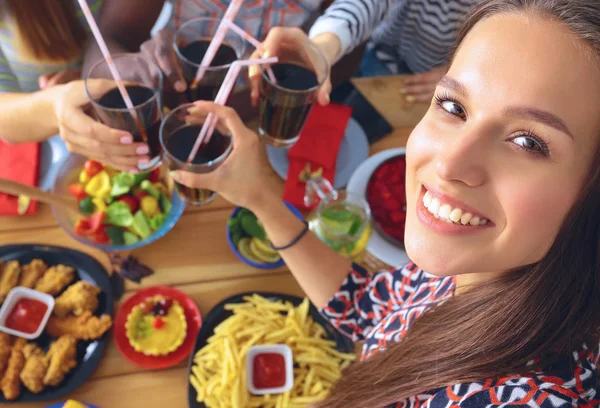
[[19, 76], [422, 32]]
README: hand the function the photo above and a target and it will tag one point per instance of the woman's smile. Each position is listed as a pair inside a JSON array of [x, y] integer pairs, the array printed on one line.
[[449, 215]]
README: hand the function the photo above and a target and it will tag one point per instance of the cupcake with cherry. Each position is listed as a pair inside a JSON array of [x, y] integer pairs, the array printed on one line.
[[157, 326]]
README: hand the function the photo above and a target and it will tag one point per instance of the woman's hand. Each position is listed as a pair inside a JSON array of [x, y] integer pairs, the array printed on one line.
[[328, 43], [421, 87], [90, 138], [243, 178], [160, 50]]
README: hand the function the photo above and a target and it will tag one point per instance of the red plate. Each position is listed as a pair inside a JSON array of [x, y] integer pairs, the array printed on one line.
[[386, 196], [194, 322]]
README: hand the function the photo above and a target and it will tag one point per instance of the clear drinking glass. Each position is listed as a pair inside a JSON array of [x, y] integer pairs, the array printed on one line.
[[284, 106], [178, 133], [342, 220], [191, 42], [144, 83]]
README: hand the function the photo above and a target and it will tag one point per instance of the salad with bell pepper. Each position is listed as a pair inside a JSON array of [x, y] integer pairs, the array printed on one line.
[[119, 208]]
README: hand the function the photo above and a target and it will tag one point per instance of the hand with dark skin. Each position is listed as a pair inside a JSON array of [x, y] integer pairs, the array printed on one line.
[[126, 27]]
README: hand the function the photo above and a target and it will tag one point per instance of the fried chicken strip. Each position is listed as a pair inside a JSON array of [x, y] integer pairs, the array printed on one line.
[[5, 346], [55, 279], [84, 327], [32, 273], [36, 366], [61, 359], [10, 278], [11, 383], [78, 298]]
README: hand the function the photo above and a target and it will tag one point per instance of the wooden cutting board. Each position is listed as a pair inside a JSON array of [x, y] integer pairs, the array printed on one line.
[[383, 93]]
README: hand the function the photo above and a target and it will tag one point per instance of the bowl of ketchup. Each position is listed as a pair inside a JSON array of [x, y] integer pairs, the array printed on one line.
[[270, 369], [25, 312]]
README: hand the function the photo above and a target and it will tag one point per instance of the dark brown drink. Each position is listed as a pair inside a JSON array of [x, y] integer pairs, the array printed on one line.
[[212, 80], [283, 111], [148, 113], [180, 144]]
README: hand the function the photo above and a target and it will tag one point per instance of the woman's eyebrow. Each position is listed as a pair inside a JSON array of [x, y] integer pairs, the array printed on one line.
[[522, 112]]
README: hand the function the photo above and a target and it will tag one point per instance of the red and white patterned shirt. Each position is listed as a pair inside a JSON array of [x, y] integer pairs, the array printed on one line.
[[380, 308]]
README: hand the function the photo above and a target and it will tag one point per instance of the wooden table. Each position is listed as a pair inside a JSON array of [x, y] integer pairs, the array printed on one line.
[[194, 258]]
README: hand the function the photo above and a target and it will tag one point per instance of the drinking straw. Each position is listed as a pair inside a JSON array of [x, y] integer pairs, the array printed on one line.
[[252, 41], [221, 99], [232, 10], [111, 65]]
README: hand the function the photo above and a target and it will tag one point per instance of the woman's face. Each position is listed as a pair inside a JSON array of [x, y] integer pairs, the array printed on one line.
[[504, 150]]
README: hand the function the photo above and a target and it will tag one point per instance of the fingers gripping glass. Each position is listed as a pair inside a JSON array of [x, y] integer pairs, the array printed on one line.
[[178, 133], [284, 106]]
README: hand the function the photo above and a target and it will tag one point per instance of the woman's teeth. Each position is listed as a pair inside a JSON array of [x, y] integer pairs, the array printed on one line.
[[450, 215]]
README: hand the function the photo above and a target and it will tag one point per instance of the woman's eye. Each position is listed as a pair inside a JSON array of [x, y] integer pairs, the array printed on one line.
[[529, 143], [453, 108]]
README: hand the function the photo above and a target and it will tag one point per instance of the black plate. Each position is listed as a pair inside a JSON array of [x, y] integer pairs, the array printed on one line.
[[89, 353], [218, 314]]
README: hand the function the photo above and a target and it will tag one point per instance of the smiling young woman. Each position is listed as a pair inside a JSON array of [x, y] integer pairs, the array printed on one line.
[[503, 191]]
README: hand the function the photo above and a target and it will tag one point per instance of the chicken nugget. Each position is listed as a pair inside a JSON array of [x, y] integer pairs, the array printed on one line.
[[34, 371], [10, 278], [61, 359], [80, 297], [11, 383], [32, 273], [55, 279], [84, 327]]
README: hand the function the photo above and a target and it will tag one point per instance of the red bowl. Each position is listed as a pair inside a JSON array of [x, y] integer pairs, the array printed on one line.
[[192, 316], [386, 196]]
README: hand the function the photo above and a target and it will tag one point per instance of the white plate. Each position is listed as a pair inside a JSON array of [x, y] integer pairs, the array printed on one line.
[[354, 150], [52, 152], [378, 245]]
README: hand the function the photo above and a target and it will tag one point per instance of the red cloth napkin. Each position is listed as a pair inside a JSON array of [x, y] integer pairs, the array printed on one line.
[[318, 146], [18, 163]]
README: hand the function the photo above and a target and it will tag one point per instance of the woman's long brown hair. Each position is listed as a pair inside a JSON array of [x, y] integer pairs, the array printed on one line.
[[543, 311], [47, 30]]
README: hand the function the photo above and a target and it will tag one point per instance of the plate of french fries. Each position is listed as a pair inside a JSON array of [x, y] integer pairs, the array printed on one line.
[[217, 368]]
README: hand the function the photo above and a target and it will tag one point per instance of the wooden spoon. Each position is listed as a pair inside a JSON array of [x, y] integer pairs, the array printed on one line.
[[18, 189]]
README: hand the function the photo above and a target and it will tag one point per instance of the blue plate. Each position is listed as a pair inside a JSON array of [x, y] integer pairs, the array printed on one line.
[[246, 260], [89, 353], [60, 405], [354, 150]]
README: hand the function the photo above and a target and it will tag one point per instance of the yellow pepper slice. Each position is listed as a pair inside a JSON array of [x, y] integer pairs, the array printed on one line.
[[99, 185], [99, 204], [84, 177]]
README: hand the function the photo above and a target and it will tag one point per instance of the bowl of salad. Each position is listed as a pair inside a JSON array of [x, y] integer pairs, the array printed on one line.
[[119, 211]]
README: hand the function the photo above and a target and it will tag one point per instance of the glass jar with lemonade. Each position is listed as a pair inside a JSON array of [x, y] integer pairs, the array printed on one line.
[[342, 220]]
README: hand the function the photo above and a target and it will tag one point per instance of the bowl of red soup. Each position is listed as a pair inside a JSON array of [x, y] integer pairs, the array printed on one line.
[[270, 369], [25, 312]]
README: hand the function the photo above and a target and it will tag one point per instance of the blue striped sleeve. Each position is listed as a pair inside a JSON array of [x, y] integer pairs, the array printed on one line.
[[8, 80]]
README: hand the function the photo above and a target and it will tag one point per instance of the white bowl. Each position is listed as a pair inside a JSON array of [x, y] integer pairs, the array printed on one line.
[[281, 349], [13, 297]]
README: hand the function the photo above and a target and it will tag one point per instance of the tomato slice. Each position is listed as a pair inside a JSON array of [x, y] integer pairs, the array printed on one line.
[[92, 167], [91, 225], [77, 191], [131, 202], [101, 236], [154, 176]]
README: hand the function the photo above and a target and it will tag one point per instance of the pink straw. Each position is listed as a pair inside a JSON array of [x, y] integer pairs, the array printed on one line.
[[104, 49], [252, 41], [232, 10], [228, 83]]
